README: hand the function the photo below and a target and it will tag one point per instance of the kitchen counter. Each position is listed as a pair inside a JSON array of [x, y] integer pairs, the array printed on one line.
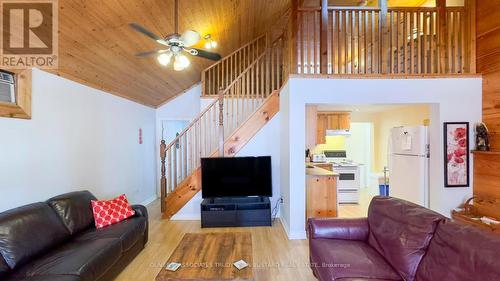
[[312, 170]]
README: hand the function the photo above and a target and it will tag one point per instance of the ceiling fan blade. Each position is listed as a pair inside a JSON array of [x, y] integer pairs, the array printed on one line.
[[190, 37], [205, 54], [144, 31], [151, 53]]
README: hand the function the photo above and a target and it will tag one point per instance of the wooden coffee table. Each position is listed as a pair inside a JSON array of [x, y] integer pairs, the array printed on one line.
[[210, 256]]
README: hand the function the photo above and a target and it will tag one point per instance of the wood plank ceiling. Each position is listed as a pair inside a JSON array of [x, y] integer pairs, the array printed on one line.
[[97, 47]]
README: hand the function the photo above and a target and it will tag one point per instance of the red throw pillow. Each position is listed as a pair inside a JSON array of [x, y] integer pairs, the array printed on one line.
[[107, 212]]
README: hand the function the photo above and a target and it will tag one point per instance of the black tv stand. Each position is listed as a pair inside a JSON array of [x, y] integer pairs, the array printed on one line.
[[235, 211]]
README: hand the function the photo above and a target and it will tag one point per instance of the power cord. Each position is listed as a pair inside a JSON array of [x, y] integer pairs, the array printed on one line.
[[276, 208]]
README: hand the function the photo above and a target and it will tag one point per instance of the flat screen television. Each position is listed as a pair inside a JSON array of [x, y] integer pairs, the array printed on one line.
[[236, 177]]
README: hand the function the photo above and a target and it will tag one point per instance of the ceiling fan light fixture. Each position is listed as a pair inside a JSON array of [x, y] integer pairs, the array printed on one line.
[[190, 37], [181, 62], [164, 59], [209, 42]]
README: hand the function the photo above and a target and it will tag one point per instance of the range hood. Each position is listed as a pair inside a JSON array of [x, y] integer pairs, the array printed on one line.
[[330, 133]]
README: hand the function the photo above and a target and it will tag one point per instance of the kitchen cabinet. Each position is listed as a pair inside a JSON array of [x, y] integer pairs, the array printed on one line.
[[321, 193], [322, 121], [344, 121], [331, 121]]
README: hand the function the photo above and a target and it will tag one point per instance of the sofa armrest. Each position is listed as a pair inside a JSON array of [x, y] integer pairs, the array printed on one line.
[[140, 211], [333, 228]]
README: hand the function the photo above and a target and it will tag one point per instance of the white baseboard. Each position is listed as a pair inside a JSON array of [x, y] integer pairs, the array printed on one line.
[[293, 235], [186, 217], [149, 200]]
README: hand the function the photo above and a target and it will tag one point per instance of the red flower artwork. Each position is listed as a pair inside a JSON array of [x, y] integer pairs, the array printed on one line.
[[456, 154], [459, 152], [462, 142], [459, 133]]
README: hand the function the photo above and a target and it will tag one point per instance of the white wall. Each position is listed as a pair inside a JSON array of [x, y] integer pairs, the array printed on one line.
[[451, 99], [265, 143], [359, 147], [205, 102], [185, 106], [79, 138]]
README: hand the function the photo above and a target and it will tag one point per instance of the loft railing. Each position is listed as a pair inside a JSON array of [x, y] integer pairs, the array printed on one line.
[[235, 104], [367, 40]]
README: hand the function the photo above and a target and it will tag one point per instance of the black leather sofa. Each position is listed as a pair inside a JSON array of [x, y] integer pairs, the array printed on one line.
[[56, 240]]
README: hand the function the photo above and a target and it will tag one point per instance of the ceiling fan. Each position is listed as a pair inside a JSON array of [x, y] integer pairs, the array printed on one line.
[[176, 44]]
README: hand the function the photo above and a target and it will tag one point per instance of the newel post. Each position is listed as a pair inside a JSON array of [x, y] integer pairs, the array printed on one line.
[[470, 11], [221, 122], [385, 51], [324, 37], [163, 178], [292, 38], [443, 35]]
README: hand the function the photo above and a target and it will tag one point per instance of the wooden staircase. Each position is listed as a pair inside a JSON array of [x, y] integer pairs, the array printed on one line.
[[245, 85]]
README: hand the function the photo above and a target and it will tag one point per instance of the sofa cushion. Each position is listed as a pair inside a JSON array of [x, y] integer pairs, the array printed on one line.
[[4, 268], [108, 212], [88, 260], [333, 259], [128, 231], [361, 279], [74, 209], [460, 252], [28, 231], [401, 231], [60, 277]]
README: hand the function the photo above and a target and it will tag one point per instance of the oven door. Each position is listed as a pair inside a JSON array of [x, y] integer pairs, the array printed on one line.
[[348, 179]]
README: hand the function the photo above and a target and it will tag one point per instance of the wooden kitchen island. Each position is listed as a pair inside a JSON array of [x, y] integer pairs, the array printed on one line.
[[321, 192]]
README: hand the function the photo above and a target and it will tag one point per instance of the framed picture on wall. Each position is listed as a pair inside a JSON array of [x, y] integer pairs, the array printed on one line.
[[456, 154]]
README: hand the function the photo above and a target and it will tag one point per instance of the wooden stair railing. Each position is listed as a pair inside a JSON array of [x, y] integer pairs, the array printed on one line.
[[240, 100], [181, 157], [225, 71], [191, 185]]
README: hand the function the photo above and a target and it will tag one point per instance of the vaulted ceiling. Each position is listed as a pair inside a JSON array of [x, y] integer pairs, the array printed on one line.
[[97, 47]]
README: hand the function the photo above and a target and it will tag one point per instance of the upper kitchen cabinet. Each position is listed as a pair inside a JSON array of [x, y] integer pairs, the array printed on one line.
[[344, 121], [322, 126], [331, 121]]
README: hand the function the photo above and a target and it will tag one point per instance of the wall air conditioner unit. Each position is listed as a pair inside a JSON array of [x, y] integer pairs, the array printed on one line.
[[7, 87]]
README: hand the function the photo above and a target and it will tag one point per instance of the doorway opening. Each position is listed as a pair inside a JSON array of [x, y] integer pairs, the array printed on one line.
[[359, 148]]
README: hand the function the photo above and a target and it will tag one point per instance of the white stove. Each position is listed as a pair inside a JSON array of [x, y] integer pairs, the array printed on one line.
[[349, 181]]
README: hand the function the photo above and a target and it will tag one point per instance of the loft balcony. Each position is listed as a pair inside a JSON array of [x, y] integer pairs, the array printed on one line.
[[381, 39]]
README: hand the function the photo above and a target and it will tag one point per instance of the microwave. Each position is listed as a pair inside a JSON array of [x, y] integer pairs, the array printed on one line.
[[7, 87]]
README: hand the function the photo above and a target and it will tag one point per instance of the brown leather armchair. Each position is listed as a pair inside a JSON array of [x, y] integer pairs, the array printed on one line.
[[401, 241]]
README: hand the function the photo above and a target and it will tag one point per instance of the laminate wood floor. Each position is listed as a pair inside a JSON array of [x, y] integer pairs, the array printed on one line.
[[276, 257], [356, 210]]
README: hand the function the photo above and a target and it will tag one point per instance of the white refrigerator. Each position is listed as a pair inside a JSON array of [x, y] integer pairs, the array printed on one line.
[[409, 164]]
